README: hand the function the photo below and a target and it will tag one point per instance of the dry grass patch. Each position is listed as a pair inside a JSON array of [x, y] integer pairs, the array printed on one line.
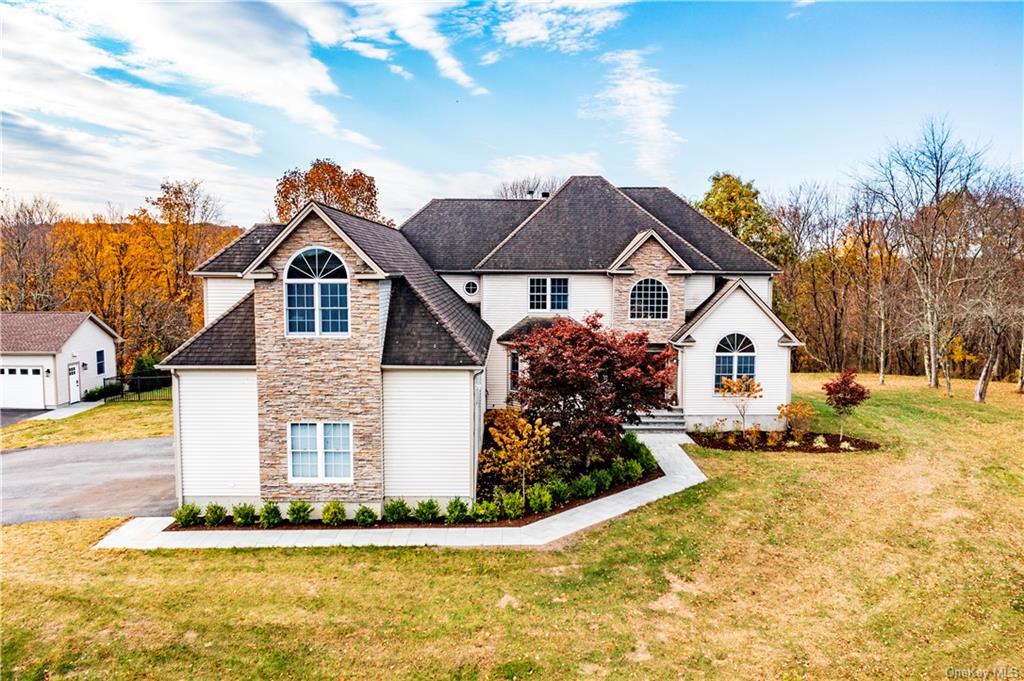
[[114, 421], [900, 562]]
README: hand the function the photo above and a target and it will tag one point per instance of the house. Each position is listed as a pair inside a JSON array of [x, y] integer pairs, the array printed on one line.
[[52, 358], [344, 359]]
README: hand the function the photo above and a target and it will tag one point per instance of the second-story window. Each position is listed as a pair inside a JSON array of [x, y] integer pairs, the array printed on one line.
[[549, 293], [316, 294], [648, 299]]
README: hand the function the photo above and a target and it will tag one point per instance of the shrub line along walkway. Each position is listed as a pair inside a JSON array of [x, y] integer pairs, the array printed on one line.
[[680, 473]]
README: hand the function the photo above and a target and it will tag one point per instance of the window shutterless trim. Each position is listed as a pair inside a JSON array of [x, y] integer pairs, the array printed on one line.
[[320, 456], [317, 306], [547, 294]]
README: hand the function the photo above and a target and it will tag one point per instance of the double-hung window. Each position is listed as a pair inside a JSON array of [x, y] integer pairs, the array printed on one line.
[[734, 357], [513, 371], [101, 363], [320, 452], [549, 293], [316, 294]]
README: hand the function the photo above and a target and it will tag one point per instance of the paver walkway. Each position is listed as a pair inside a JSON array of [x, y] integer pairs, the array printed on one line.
[[680, 473]]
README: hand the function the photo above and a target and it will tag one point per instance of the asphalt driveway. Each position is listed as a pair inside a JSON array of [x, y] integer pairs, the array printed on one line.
[[12, 416], [88, 480]]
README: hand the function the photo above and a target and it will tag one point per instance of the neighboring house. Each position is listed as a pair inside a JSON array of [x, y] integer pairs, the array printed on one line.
[[343, 359], [52, 358]]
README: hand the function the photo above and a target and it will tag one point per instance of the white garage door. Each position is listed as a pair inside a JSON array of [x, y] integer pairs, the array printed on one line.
[[21, 388]]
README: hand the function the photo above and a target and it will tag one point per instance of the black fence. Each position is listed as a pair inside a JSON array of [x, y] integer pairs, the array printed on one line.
[[137, 388]]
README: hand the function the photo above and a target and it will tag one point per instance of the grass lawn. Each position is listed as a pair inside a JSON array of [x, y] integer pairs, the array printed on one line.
[[906, 561], [114, 421]]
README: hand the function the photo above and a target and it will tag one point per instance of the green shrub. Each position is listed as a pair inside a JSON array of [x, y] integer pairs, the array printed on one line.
[[634, 471], [512, 505], [584, 487], [100, 392], [270, 515], [299, 512], [603, 479], [560, 491], [215, 514], [427, 511], [396, 511], [631, 446], [365, 516], [333, 513], [618, 471], [647, 460], [187, 515], [243, 514], [539, 498], [456, 512], [485, 512]]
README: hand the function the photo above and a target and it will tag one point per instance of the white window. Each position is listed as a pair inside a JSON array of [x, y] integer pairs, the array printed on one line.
[[316, 294], [734, 357], [320, 452], [101, 363], [470, 287], [648, 299], [549, 293]]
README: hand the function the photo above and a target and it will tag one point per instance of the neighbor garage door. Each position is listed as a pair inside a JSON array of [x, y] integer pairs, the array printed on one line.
[[21, 387]]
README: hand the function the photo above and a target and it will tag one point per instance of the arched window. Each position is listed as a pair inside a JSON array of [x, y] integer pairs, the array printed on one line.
[[648, 300], [316, 294], [734, 357]]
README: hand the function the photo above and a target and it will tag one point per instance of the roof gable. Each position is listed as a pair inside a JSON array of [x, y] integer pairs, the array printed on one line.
[[44, 332], [638, 243], [585, 225], [704, 310]]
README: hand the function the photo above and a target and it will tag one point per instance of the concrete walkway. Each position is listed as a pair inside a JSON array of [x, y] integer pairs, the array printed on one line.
[[680, 473], [66, 411]]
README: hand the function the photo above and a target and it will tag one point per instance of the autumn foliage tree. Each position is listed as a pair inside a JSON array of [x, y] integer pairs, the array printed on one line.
[[736, 207], [844, 394], [740, 391], [586, 381], [520, 448], [325, 181]]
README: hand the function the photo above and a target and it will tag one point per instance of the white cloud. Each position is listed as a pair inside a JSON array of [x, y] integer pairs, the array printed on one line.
[[564, 25], [637, 96], [492, 57]]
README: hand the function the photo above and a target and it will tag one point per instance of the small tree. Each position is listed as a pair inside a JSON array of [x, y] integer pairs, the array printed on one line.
[[520, 448], [740, 391], [844, 394], [587, 381]]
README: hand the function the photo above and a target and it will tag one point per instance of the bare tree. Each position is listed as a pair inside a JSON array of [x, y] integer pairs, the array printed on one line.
[[529, 187], [31, 258], [922, 189]]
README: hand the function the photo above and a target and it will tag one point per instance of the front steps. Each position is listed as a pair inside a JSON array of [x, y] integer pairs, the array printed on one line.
[[661, 420]]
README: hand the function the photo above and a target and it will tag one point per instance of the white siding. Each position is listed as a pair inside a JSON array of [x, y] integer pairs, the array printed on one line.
[[761, 285], [458, 282], [698, 288], [217, 435], [428, 434], [80, 348], [220, 293], [506, 301], [737, 314]]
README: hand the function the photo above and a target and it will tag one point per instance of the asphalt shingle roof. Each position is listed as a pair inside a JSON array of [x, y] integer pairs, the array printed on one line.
[[728, 253], [585, 225], [230, 340], [44, 332], [525, 326], [414, 337], [237, 255], [454, 234]]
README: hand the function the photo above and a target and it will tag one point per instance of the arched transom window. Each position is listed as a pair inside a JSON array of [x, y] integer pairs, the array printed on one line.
[[648, 300], [734, 357], [316, 294]]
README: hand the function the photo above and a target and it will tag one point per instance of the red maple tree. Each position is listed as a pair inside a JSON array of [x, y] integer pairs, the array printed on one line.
[[586, 381], [844, 394]]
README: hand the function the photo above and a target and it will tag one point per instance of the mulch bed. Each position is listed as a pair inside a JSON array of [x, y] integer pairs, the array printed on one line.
[[740, 444], [350, 524]]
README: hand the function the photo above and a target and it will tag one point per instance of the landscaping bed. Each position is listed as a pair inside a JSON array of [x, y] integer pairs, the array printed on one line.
[[822, 443]]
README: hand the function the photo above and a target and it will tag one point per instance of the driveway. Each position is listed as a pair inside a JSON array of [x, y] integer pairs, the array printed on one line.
[[11, 416], [88, 480]]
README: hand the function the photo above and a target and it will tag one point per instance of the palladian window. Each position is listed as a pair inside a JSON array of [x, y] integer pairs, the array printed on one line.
[[734, 357], [316, 294]]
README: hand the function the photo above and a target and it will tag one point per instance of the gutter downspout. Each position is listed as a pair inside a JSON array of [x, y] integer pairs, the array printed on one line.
[[179, 492]]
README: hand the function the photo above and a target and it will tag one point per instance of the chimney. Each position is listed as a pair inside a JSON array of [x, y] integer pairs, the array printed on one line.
[[529, 193], [545, 195]]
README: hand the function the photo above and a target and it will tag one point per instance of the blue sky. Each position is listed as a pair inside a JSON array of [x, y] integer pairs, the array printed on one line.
[[103, 100]]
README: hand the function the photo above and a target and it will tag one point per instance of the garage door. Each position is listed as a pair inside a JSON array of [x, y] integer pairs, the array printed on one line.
[[21, 388]]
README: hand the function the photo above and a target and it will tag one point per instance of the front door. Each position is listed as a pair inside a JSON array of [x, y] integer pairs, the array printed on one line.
[[74, 384]]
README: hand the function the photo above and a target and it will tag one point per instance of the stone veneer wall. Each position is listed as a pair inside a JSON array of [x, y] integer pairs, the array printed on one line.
[[651, 261], [319, 379]]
